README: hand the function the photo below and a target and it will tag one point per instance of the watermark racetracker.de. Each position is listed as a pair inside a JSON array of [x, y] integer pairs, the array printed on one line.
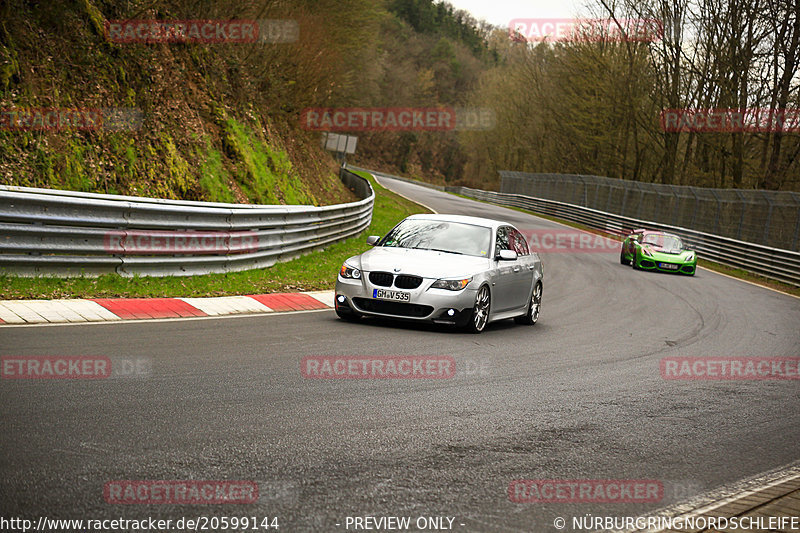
[[202, 31], [367, 119], [152, 242], [568, 240], [182, 492], [378, 367], [585, 491], [56, 119], [58, 367], [730, 120], [730, 368], [536, 30]]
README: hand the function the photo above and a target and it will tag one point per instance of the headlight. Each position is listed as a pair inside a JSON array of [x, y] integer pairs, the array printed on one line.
[[690, 257], [647, 252], [349, 272], [451, 284]]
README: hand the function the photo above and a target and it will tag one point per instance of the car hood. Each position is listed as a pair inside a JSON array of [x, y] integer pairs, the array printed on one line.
[[667, 254], [425, 263]]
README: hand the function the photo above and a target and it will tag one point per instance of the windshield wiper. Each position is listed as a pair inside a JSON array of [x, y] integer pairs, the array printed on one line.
[[445, 251]]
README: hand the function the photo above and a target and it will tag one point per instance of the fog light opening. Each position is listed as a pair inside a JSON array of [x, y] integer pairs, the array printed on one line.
[[340, 299]]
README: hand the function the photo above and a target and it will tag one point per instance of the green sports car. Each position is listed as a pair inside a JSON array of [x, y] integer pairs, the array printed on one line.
[[656, 250]]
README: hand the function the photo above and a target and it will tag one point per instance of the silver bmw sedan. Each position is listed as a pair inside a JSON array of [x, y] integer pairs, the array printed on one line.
[[450, 269]]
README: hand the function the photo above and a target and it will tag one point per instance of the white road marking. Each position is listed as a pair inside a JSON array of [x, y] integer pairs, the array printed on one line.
[[151, 320], [9, 316], [89, 310], [31, 311], [325, 297], [748, 281], [56, 311], [226, 305]]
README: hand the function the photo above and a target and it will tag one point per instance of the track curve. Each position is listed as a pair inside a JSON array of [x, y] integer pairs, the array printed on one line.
[[578, 396]]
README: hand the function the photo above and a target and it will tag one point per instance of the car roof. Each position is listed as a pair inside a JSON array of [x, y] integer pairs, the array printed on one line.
[[476, 221]]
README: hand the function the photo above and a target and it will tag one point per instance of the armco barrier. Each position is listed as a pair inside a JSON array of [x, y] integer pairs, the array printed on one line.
[[774, 263], [64, 233]]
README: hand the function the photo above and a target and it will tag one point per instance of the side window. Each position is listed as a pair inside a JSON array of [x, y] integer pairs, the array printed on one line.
[[501, 243], [518, 242]]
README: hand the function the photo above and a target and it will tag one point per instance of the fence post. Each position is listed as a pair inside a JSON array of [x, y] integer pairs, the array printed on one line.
[[596, 196], [579, 195], [765, 242], [677, 205], [624, 200], [716, 215], [641, 200], [797, 224], [741, 217]]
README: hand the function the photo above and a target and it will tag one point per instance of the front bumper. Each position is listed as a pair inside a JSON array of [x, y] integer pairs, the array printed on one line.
[[425, 305], [660, 265]]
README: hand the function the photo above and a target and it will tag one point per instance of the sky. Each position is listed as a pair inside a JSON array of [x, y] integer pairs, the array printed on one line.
[[500, 12]]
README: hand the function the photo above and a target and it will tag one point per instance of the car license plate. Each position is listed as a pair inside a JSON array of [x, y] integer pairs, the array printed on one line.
[[383, 294], [669, 266]]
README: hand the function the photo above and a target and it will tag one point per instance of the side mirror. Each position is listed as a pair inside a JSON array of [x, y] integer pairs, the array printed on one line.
[[507, 255], [372, 240]]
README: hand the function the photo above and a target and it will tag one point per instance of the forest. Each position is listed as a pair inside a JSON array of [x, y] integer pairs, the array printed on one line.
[[222, 121]]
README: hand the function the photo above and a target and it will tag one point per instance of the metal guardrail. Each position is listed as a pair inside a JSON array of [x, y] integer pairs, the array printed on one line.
[[773, 263], [64, 233]]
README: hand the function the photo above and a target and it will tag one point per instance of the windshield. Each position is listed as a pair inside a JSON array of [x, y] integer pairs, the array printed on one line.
[[442, 236], [667, 242]]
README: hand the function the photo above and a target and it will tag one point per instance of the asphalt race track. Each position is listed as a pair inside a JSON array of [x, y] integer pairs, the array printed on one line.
[[577, 396]]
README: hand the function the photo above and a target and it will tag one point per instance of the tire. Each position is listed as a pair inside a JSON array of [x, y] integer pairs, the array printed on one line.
[[531, 316], [480, 312], [633, 262], [622, 260]]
